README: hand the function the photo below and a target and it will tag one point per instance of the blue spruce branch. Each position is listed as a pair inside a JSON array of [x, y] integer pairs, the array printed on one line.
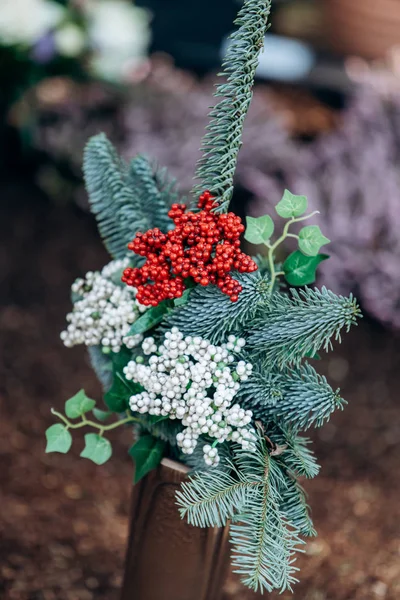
[[222, 141], [212, 315], [125, 199], [300, 325]]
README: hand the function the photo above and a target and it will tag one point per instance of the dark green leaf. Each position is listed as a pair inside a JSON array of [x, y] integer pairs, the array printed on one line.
[[259, 229], [311, 240], [291, 205], [101, 415], [58, 438], [78, 405], [300, 269], [117, 397], [152, 317], [97, 449], [147, 454], [313, 355], [183, 299]]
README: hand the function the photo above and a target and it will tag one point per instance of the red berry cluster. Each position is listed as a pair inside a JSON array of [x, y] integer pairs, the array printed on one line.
[[204, 245]]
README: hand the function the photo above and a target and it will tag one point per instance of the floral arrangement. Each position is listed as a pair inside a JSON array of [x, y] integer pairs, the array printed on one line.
[[100, 38], [203, 349]]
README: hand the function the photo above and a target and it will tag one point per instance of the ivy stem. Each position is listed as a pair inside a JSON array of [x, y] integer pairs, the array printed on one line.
[[272, 248], [85, 422]]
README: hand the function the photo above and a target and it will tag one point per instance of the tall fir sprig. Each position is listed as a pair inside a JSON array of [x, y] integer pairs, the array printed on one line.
[[222, 142]]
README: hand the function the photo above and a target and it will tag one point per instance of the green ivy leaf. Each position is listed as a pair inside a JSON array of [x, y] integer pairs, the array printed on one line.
[[78, 405], [117, 397], [291, 205], [58, 439], [101, 415], [147, 454], [300, 269], [152, 317], [259, 229], [311, 240], [97, 448]]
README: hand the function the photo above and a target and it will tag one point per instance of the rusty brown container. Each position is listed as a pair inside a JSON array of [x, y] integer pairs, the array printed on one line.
[[167, 559]]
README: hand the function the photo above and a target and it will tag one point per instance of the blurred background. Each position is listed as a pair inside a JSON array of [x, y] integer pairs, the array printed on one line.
[[325, 122]]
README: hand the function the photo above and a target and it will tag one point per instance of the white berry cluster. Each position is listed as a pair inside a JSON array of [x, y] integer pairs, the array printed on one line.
[[104, 312], [190, 379]]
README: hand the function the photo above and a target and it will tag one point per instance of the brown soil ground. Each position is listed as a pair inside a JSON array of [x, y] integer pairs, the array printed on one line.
[[64, 521]]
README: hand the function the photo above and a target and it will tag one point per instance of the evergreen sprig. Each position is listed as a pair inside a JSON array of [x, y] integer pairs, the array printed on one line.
[[264, 534], [210, 314], [125, 199], [300, 325], [222, 142], [298, 397]]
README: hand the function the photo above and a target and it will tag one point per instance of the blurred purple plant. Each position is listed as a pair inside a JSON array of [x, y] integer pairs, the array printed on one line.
[[352, 176]]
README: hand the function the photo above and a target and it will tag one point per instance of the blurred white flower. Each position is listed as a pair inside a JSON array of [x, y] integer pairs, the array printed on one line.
[[26, 21], [120, 35], [70, 40]]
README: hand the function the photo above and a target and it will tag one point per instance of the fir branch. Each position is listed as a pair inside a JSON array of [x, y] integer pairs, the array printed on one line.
[[211, 314], [306, 398], [295, 326], [264, 541], [262, 388], [293, 505], [211, 498], [102, 366], [297, 457], [124, 200], [156, 191], [222, 141]]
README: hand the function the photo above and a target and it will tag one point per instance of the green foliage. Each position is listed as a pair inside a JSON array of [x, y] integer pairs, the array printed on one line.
[[210, 314], [152, 317], [125, 199], [117, 397], [102, 365], [265, 538], [222, 142], [300, 269], [311, 240], [291, 206], [302, 323], [293, 505], [156, 191], [78, 405], [307, 400], [58, 439], [297, 457], [147, 453], [259, 229], [263, 388], [97, 449]]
